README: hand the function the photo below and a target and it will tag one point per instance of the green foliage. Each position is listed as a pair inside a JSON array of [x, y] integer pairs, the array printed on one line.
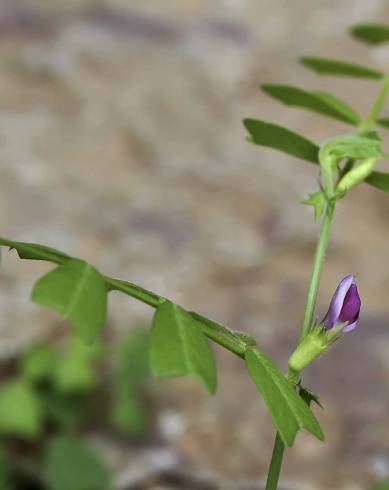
[[128, 414], [132, 358], [178, 347], [371, 33], [71, 464], [326, 66], [289, 412], [319, 102], [318, 201], [131, 373], [74, 375], [380, 486], [38, 364], [380, 180], [21, 411], [65, 412], [282, 139], [352, 146], [77, 291], [53, 394]]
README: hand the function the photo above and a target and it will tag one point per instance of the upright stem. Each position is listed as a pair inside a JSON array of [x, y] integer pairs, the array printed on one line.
[[322, 244], [275, 464], [321, 249]]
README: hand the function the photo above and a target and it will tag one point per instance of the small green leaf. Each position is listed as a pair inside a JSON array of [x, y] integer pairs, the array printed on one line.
[[289, 412], [380, 180], [318, 201], [21, 411], [70, 464], [282, 139], [77, 291], [384, 122], [326, 66], [178, 346], [371, 33], [33, 251], [39, 363], [320, 102]]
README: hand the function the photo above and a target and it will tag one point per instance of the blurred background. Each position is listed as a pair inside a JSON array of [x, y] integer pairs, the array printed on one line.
[[121, 142]]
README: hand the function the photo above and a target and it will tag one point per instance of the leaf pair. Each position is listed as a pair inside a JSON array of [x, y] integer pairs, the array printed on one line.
[[178, 347]]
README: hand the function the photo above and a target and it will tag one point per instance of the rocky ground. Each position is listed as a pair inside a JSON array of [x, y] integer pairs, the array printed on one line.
[[121, 142]]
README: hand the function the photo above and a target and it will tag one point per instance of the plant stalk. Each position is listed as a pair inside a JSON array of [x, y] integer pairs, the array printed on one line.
[[322, 244], [275, 464], [318, 263]]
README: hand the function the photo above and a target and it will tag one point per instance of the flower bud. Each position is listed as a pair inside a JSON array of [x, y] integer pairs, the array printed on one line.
[[342, 316], [345, 306]]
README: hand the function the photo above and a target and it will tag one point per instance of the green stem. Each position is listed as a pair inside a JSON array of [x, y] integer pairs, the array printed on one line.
[[275, 464], [321, 249], [322, 244], [377, 106]]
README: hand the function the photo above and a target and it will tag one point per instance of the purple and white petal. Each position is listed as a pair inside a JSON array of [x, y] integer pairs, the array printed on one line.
[[337, 301]]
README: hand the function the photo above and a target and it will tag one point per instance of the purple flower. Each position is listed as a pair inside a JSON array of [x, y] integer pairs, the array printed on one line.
[[345, 306]]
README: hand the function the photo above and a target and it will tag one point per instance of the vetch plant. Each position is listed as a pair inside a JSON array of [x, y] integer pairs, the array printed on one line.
[[179, 337]]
